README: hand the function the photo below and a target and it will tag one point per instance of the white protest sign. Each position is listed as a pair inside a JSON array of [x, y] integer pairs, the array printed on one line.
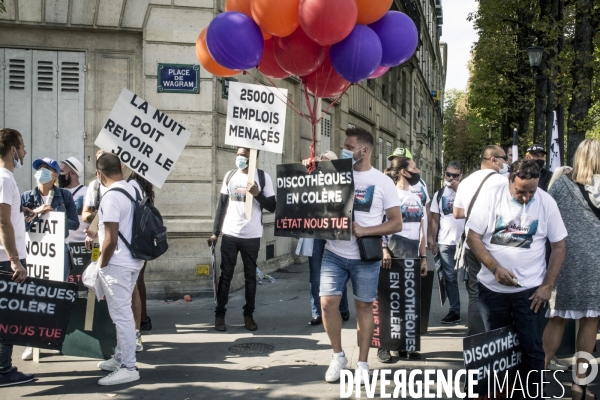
[[45, 244], [255, 117], [144, 138]]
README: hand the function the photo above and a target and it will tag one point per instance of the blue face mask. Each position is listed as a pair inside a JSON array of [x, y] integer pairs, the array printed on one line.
[[349, 154], [43, 176], [241, 162]]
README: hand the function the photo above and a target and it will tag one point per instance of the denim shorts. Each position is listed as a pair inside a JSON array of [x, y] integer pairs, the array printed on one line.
[[336, 270]]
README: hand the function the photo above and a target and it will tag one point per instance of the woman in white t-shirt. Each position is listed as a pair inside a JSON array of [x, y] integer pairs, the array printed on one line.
[[409, 243]]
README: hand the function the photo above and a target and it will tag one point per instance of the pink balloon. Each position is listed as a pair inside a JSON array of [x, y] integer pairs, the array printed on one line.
[[379, 71]]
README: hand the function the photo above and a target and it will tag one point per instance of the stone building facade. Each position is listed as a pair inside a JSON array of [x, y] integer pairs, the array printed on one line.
[[65, 62]]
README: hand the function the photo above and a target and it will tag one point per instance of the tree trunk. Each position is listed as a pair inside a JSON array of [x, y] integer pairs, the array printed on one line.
[[582, 73]]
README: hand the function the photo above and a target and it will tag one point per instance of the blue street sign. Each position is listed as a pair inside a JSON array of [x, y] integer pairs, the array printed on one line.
[[178, 78]]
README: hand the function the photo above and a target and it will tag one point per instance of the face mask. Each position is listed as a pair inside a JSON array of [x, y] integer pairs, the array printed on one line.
[[241, 162], [350, 154], [17, 162], [540, 163], [505, 168], [414, 178], [43, 176], [64, 180]]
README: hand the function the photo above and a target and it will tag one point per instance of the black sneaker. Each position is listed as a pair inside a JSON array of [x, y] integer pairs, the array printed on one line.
[[146, 324], [14, 377], [384, 356], [451, 318], [345, 315], [316, 321]]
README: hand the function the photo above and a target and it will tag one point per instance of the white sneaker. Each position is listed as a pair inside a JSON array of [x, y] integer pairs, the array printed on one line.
[[337, 364], [139, 346], [27, 354], [121, 375], [359, 374], [109, 365]]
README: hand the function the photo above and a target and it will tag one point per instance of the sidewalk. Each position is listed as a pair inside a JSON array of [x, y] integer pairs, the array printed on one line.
[[185, 358]]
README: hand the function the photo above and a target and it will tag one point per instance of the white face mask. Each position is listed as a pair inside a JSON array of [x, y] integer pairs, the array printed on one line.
[[17, 162], [504, 169]]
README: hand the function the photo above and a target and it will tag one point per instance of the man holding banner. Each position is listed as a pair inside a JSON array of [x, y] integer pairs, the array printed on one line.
[[12, 236]]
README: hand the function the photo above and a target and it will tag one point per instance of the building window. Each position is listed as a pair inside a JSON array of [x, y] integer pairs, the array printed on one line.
[[405, 94]]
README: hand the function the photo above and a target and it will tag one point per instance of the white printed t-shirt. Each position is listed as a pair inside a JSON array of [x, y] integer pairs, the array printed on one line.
[[412, 215], [117, 207], [78, 198], [469, 185], [235, 223], [515, 235], [374, 192], [9, 194], [450, 228]]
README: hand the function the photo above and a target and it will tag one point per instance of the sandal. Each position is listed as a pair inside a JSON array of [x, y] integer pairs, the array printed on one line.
[[584, 395]]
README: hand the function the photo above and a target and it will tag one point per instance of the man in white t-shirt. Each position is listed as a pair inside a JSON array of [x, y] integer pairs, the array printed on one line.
[[240, 235], [445, 233], [71, 170], [508, 229], [118, 269], [374, 196], [493, 160], [12, 236]]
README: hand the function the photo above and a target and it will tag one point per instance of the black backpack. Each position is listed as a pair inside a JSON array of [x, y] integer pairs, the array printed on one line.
[[148, 233]]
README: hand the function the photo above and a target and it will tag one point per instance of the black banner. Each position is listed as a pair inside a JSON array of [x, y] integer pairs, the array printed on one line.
[[441, 278], [397, 310], [318, 205], [81, 258], [493, 351], [36, 312]]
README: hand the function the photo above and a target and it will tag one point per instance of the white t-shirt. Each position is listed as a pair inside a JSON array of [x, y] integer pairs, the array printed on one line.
[[421, 191], [374, 192], [450, 228], [116, 207], [9, 194], [469, 185], [91, 193], [78, 198], [235, 223], [412, 214], [515, 235]]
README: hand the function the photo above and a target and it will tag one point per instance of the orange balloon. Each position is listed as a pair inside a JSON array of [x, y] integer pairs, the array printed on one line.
[[242, 6], [277, 17], [206, 59], [266, 35], [370, 11]]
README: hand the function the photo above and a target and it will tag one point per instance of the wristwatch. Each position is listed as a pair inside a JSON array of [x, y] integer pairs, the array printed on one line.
[[423, 257]]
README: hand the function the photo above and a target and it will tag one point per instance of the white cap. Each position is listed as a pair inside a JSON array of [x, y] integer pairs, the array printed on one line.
[[330, 155], [75, 165]]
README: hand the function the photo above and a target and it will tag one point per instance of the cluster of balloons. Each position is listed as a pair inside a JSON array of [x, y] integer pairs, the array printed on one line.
[[329, 43]]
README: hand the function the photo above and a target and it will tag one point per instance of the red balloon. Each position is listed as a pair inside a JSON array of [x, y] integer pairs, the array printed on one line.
[[297, 53], [327, 21], [268, 65], [325, 81], [378, 72]]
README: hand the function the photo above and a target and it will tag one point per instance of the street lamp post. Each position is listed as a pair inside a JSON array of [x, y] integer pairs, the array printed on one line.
[[538, 63]]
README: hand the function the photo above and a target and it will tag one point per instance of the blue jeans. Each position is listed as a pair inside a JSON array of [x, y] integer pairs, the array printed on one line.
[[504, 309], [336, 270], [314, 263], [448, 263], [7, 349]]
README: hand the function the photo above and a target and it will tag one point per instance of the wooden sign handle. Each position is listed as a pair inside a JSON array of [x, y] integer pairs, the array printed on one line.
[[251, 174]]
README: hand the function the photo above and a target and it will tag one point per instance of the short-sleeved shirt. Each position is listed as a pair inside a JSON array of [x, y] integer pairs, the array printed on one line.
[[374, 193], [515, 235], [117, 207], [235, 223], [412, 215], [91, 194], [79, 193], [450, 228], [9, 194], [468, 187]]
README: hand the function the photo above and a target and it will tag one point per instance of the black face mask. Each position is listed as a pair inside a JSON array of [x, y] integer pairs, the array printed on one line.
[[414, 178], [64, 180], [540, 163]]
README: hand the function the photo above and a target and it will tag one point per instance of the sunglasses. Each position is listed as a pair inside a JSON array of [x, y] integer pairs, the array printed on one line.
[[449, 175], [528, 175], [505, 158]]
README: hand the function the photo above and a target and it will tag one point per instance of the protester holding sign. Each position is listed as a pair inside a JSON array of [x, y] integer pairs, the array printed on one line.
[[118, 269], [445, 233], [12, 236], [71, 170], [374, 197], [409, 243], [239, 234], [508, 229]]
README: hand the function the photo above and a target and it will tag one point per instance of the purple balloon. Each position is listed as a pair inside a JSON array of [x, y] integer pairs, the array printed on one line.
[[357, 56], [235, 41], [399, 37]]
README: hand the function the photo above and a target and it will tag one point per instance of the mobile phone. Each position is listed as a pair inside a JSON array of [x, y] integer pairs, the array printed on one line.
[[517, 283]]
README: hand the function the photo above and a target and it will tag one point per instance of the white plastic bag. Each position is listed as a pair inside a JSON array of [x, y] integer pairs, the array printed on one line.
[[90, 275], [305, 247]]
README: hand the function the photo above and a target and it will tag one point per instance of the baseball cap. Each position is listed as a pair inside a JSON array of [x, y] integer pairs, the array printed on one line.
[[75, 165], [400, 152], [46, 160], [536, 148]]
